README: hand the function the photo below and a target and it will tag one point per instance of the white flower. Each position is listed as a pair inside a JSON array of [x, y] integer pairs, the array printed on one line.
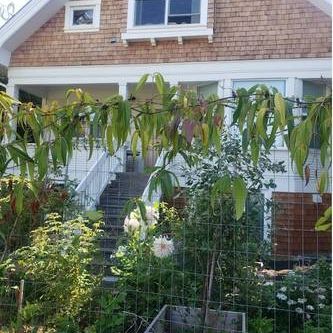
[[310, 307], [268, 283], [77, 232], [321, 297], [308, 316], [281, 296], [291, 302], [302, 300], [131, 224], [299, 310], [151, 215], [321, 290], [283, 289], [320, 305], [163, 247]]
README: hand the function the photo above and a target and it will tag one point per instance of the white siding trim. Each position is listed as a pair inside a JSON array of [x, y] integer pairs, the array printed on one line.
[[179, 72]]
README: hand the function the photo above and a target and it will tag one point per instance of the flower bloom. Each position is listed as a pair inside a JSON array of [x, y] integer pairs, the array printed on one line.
[[283, 289], [291, 302], [281, 296], [299, 310], [320, 305], [131, 224], [302, 300], [268, 283], [310, 307], [163, 247], [321, 297], [321, 290], [151, 215]]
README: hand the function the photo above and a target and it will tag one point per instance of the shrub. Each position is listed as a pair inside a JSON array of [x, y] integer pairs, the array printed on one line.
[[56, 264]]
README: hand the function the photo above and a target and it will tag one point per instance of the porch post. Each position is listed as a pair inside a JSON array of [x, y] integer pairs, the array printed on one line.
[[224, 89], [123, 89], [13, 91]]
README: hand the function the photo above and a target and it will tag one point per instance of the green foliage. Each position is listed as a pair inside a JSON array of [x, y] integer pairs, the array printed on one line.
[[172, 122], [261, 325], [57, 261], [23, 207]]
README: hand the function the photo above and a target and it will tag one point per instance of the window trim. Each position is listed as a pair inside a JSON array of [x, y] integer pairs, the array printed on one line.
[[160, 31], [71, 6]]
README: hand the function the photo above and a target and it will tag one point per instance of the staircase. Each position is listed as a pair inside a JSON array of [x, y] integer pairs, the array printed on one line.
[[127, 185]]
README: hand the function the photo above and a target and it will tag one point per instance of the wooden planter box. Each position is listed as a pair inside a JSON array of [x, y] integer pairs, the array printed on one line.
[[174, 319]]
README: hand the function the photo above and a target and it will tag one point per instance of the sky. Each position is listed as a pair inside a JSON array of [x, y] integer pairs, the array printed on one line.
[[18, 5]]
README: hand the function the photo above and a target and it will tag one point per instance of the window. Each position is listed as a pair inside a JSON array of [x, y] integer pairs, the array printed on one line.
[[157, 19], [82, 15], [150, 12]]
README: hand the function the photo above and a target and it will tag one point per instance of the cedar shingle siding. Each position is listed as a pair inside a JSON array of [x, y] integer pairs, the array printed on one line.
[[258, 29]]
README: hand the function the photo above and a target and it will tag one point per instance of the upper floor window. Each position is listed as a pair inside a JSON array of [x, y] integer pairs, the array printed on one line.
[[167, 19], [82, 15], [149, 12]]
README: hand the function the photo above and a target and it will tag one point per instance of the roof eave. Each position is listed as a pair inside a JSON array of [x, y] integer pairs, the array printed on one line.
[[24, 23]]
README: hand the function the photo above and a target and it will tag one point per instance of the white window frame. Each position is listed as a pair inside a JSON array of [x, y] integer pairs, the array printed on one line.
[[71, 6], [168, 31]]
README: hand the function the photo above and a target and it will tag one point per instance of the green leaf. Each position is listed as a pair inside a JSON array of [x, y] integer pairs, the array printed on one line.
[[109, 139], [260, 122], [160, 84], [324, 223], [222, 185], [280, 106], [94, 215], [134, 143], [18, 192], [141, 83], [323, 182], [239, 193]]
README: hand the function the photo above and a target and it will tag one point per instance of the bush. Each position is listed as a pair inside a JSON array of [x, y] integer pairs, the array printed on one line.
[[56, 266]]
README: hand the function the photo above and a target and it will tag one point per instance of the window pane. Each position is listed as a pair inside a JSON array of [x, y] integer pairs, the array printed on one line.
[[149, 12], [278, 84], [84, 16], [184, 7], [184, 11]]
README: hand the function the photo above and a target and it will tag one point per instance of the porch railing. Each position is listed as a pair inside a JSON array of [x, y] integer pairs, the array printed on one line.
[[91, 187]]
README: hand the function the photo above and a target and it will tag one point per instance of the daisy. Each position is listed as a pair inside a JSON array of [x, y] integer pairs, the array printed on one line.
[[310, 307], [281, 296], [299, 310], [163, 247]]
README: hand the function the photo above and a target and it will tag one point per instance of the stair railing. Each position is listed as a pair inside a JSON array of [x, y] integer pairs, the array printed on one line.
[[91, 187]]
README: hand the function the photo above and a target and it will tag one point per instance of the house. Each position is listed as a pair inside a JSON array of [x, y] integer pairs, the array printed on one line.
[[212, 46]]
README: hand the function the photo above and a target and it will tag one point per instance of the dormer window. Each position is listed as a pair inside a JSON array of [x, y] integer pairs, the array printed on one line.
[[167, 19], [82, 16]]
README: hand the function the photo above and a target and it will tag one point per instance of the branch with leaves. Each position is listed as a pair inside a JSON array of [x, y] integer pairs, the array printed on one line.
[[171, 122]]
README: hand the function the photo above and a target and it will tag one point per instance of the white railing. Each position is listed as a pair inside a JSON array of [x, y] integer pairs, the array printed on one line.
[[91, 187]]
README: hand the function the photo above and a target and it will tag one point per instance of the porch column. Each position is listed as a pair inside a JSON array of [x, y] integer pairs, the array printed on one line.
[[13, 91], [294, 89], [224, 89], [123, 89]]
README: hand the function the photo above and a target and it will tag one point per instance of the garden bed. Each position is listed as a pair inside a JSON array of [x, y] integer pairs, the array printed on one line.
[[174, 319]]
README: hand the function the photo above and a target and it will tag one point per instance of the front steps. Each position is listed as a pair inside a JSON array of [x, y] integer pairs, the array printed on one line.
[[125, 187]]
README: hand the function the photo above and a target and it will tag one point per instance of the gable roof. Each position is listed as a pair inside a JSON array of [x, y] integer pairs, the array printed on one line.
[[24, 23], [37, 12]]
